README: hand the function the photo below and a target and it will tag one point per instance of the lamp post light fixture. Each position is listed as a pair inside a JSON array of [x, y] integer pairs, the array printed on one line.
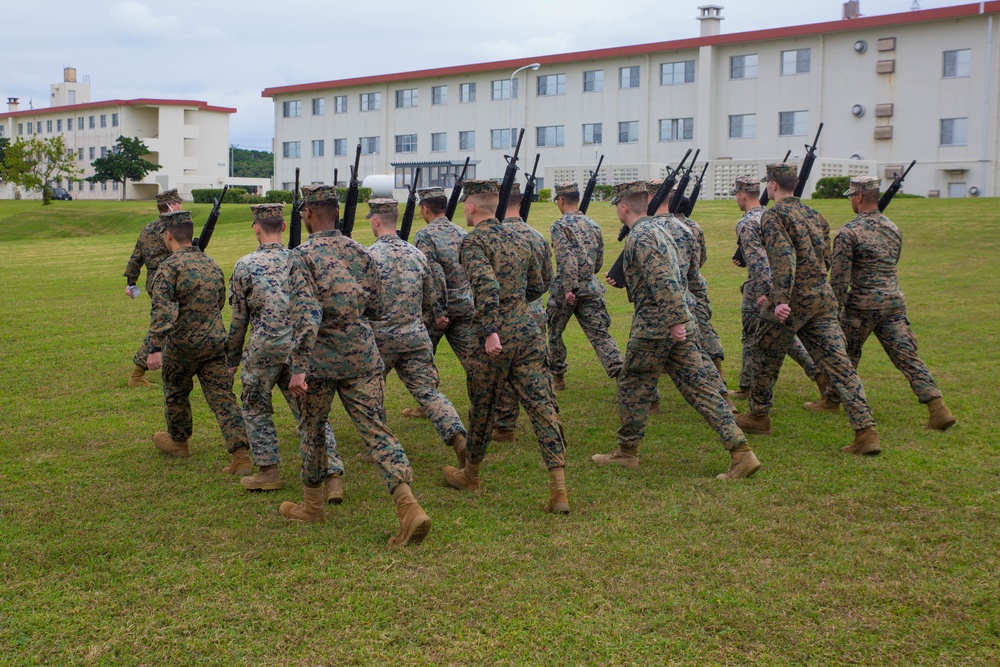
[[510, 91]]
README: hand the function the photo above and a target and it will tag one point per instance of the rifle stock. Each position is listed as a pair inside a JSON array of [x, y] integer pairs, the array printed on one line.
[[807, 163], [295, 229], [456, 193], [411, 207], [508, 178], [206, 232], [588, 192], [529, 191], [890, 192], [351, 205]]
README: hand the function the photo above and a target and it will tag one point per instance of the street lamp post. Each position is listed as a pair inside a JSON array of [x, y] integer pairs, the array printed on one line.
[[510, 107]]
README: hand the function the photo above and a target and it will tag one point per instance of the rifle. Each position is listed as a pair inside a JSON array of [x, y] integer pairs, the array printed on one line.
[[886, 198], [807, 163], [456, 192], [508, 178], [295, 229], [411, 205], [764, 197], [529, 192], [588, 192], [206, 232], [351, 205], [675, 201], [695, 191]]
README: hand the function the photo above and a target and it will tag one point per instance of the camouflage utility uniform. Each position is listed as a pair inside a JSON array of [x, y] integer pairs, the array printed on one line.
[[703, 306], [149, 251]]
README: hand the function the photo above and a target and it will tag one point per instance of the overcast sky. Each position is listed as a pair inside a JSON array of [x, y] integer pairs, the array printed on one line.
[[226, 53]]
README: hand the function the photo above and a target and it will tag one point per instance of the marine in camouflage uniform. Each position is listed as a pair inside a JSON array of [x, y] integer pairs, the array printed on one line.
[[187, 335], [264, 292], [506, 275], [411, 293], [658, 341], [575, 291], [344, 360], [797, 241], [149, 251], [703, 306], [863, 277], [758, 282]]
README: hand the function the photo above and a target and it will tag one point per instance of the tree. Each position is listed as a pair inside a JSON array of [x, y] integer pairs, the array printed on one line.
[[4, 145], [124, 162], [33, 163], [252, 164]]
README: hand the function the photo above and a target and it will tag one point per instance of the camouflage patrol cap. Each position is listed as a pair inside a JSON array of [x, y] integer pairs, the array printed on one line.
[[172, 218], [315, 194], [748, 184], [470, 187], [567, 189], [382, 206], [168, 197], [781, 170], [428, 193], [515, 189], [862, 184], [623, 190], [267, 213], [653, 185]]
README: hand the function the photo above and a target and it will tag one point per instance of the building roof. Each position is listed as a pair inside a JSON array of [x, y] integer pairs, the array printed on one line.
[[918, 16], [141, 102]]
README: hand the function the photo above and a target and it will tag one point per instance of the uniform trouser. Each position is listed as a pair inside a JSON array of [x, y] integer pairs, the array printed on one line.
[[179, 371], [592, 314], [507, 406], [892, 330], [712, 343], [522, 366], [459, 335], [797, 352], [821, 334], [363, 400], [645, 361], [697, 336], [416, 370], [140, 356], [258, 384]]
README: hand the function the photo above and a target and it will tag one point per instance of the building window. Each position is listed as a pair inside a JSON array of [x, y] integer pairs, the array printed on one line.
[[467, 92], [104, 187], [369, 145], [104, 151], [550, 135], [672, 74], [677, 129], [38, 130], [69, 124], [795, 62], [20, 129], [319, 147], [439, 95], [793, 123], [743, 126], [628, 77], [551, 84], [79, 186], [743, 67], [79, 123], [79, 155], [371, 101], [319, 106], [340, 104], [3, 130], [501, 89], [90, 122], [92, 186], [628, 132], [292, 109], [104, 120], [114, 120], [114, 186], [439, 141], [406, 143], [592, 133], [291, 149], [48, 126], [340, 147], [467, 140], [499, 139], [954, 131], [957, 63], [58, 125], [406, 98], [593, 81], [92, 152]]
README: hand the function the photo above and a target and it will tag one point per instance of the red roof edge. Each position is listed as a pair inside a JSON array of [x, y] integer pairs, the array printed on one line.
[[143, 101]]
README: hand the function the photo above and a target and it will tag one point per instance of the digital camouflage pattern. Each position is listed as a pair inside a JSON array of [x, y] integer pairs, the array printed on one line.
[[703, 305], [189, 292], [653, 281], [862, 184], [505, 275], [150, 250]]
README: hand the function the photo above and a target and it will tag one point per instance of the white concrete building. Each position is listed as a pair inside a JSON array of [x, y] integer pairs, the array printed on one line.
[[918, 85], [189, 138]]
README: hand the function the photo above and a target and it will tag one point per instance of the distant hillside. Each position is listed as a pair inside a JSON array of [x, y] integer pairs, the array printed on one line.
[[252, 164]]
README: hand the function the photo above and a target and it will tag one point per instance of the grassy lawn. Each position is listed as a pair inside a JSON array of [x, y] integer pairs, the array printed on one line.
[[113, 554]]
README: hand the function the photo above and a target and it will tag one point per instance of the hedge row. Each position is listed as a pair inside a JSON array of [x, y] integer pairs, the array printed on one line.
[[285, 196]]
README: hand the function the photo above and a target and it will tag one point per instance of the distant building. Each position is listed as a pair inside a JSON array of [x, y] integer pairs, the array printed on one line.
[[918, 85], [189, 138]]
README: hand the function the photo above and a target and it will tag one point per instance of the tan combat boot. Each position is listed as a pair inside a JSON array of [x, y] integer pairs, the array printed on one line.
[[865, 443], [558, 500], [729, 401], [941, 417], [742, 395], [626, 457], [742, 463], [718, 367], [268, 478], [240, 464], [754, 424], [457, 443], [824, 404], [654, 408], [310, 510], [137, 379], [466, 479], [333, 489], [168, 445], [558, 381], [415, 413], [414, 524], [501, 435]]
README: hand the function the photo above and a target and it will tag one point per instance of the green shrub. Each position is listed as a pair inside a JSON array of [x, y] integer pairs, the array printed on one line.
[[364, 194], [545, 194], [603, 193], [831, 187], [278, 197], [208, 195], [256, 199]]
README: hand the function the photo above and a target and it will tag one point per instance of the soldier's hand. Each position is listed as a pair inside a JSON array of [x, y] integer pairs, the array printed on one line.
[[232, 370], [608, 279], [493, 346], [298, 385], [155, 361], [762, 299], [571, 298], [782, 311], [442, 322], [678, 333], [132, 291]]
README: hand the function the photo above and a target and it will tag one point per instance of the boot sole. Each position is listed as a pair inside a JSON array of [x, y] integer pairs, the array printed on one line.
[[605, 462], [558, 508], [864, 452], [274, 486], [746, 476], [336, 500], [415, 536], [942, 427]]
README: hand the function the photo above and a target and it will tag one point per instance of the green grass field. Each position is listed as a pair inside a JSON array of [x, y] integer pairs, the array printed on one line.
[[113, 554]]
